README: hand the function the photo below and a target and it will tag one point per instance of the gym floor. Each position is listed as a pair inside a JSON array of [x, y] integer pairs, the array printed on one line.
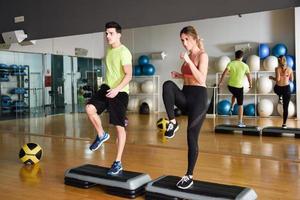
[[269, 165]]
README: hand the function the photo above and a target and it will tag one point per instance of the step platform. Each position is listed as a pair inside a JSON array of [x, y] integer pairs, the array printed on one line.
[[127, 184], [228, 128], [164, 188], [278, 131]]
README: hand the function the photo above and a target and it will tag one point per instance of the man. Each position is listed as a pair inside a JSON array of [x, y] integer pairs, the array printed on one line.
[[113, 94], [237, 70]]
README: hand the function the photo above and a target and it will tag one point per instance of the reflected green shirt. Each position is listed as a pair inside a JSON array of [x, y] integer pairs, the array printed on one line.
[[237, 71], [115, 59]]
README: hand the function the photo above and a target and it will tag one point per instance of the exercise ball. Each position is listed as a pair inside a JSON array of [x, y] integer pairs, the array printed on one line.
[[143, 60], [246, 85], [263, 51], [162, 124], [137, 70], [133, 104], [133, 87], [147, 86], [270, 63], [222, 63], [264, 85], [30, 153], [224, 107], [265, 107], [235, 109], [279, 50], [250, 109], [149, 102], [148, 70], [290, 61], [291, 109], [253, 62], [292, 86], [144, 109]]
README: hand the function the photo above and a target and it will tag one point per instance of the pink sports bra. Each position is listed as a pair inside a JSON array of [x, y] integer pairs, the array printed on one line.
[[186, 70]]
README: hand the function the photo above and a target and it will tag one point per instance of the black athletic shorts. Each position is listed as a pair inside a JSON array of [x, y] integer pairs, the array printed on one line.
[[116, 106], [238, 93]]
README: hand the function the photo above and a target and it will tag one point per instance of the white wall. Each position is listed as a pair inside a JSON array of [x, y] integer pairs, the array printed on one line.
[[93, 42], [220, 35]]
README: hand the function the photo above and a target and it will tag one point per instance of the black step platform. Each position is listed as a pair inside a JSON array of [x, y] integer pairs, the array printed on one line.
[[278, 131], [228, 128], [164, 188], [127, 184]]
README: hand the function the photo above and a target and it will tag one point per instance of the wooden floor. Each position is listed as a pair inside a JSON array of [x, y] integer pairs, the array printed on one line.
[[269, 165]]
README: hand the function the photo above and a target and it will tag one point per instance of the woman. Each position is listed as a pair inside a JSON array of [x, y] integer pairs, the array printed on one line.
[[192, 99], [283, 76]]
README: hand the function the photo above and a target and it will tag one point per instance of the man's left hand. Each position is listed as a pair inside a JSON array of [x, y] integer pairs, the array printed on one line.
[[111, 93]]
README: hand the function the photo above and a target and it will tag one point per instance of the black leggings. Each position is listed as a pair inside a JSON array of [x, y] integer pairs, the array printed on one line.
[[285, 93], [191, 100]]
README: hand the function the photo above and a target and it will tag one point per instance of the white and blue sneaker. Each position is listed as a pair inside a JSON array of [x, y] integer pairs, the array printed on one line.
[[99, 141], [115, 169]]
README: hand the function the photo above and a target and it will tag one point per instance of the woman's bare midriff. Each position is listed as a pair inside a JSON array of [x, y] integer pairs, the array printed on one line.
[[192, 81]]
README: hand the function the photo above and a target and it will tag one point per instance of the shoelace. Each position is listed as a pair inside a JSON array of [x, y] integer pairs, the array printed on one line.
[[171, 126], [114, 164], [185, 179]]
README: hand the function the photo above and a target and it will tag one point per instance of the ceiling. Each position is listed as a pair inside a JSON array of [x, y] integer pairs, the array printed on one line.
[[56, 18]]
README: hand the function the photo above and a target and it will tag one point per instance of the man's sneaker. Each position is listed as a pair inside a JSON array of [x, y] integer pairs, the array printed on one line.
[[230, 112], [241, 125], [284, 126], [185, 183], [115, 169], [99, 141], [280, 100], [172, 128]]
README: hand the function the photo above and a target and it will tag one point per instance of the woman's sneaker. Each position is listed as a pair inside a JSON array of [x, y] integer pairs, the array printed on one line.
[[241, 125], [99, 141], [115, 169], [284, 126], [172, 128], [185, 182], [280, 100]]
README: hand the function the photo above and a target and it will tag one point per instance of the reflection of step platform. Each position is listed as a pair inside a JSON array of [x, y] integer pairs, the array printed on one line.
[[278, 131], [165, 188], [127, 184], [228, 128]]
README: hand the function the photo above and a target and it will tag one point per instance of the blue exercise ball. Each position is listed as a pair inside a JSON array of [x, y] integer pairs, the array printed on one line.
[[235, 109], [290, 61], [224, 107], [143, 60], [137, 70], [279, 50], [263, 50], [292, 86], [148, 70], [249, 109]]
